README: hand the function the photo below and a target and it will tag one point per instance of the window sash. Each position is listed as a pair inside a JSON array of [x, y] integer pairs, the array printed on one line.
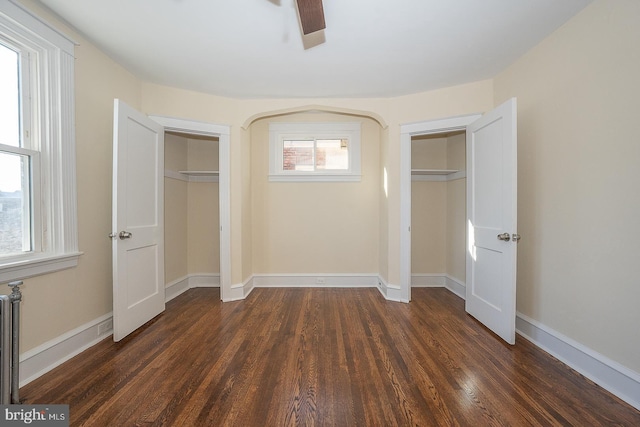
[[31, 208], [315, 149], [317, 131]]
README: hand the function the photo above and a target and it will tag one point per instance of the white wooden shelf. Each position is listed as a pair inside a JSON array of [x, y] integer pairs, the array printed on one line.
[[437, 174], [200, 173], [433, 171], [193, 176]]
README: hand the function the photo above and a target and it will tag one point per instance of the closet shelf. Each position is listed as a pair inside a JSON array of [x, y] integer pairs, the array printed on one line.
[[200, 173], [433, 171]]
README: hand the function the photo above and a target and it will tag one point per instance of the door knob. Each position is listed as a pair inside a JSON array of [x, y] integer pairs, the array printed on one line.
[[516, 237], [504, 236], [124, 235]]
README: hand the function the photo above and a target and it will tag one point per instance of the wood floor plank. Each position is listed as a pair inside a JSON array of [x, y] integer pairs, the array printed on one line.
[[326, 357]]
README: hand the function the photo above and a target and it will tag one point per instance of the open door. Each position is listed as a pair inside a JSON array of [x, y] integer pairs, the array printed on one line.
[[491, 220], [138, 220]]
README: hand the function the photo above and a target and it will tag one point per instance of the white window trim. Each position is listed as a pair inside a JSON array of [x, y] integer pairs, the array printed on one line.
[[278, 132], [57, 146]]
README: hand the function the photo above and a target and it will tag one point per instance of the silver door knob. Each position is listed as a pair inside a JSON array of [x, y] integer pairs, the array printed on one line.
[[516, 237], [504, 237], [124, 235]]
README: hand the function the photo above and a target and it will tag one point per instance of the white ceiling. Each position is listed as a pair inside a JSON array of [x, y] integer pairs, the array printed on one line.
[[372, 48]]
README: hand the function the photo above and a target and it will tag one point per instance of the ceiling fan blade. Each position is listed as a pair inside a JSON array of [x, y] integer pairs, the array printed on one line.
[[311, 15]]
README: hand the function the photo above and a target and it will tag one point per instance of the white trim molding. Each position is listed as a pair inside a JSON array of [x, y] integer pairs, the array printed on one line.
[[239, 291], [428, 280], [223, 133], [183, 284], [442, 280], [390, 291], [317, 280], [608, 374], [617, 379], [43, 358], [406, 132], [52, 116]]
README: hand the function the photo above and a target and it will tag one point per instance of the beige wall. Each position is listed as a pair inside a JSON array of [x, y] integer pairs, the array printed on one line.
[[428, 227], [383, 267], [175, 210], [239, 114], [315, 227], [428, 208], [457, 209], [57, 303], [578, 175], [203, 210]]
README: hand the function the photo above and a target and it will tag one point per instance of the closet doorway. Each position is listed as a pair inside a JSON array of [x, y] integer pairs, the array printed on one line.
[[212, 142], [491, 212], [191, 212], [438, 210]]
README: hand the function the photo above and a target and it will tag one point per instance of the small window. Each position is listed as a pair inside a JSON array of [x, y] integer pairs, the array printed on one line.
[[314, 152]]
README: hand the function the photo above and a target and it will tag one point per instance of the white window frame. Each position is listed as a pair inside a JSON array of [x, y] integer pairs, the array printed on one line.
[[280, 132], [50, 133]]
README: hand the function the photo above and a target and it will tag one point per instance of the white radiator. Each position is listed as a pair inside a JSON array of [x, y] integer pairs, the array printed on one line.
[[10, 345]]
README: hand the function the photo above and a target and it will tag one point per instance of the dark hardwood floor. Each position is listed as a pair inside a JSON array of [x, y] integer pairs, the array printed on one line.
[[329, 357]]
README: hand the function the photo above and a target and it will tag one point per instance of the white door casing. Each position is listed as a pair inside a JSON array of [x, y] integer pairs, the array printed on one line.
[[138, 209], [407, 131], [223, 133], [492, 211]]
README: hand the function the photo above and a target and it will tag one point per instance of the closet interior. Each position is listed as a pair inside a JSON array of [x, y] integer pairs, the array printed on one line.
[[191, 210], [438, 210]]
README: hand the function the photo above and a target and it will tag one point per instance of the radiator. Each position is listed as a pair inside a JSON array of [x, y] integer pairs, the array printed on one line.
[[10, 345]]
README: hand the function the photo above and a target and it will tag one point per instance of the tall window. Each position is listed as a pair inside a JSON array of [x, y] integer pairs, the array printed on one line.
[[37, 147], [314, 152], [19, 164]]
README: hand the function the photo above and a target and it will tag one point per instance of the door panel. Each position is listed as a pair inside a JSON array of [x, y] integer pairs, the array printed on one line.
[[138, 200], [491, 211]]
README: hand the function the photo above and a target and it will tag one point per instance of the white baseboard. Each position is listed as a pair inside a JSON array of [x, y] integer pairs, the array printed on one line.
[[43, 358], [200, 280], [315, 280], [428, 280], [40, 360], [175, 288], [456, 286], [390, 291], [608, 374], [240, 291]]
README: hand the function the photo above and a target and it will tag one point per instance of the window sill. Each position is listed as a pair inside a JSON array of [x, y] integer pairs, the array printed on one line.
[[36, 266], [316, 178]]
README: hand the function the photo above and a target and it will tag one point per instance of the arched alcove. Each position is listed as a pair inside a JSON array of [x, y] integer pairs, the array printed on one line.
[[324, 234], [315, 108]]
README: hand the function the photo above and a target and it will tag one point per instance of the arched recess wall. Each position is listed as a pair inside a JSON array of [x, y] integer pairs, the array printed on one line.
[[314, 233], [313, 109]]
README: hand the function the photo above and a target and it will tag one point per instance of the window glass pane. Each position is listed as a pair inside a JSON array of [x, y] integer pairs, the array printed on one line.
[[9, 97], [15, 210], [297, 156], [332, 154]]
